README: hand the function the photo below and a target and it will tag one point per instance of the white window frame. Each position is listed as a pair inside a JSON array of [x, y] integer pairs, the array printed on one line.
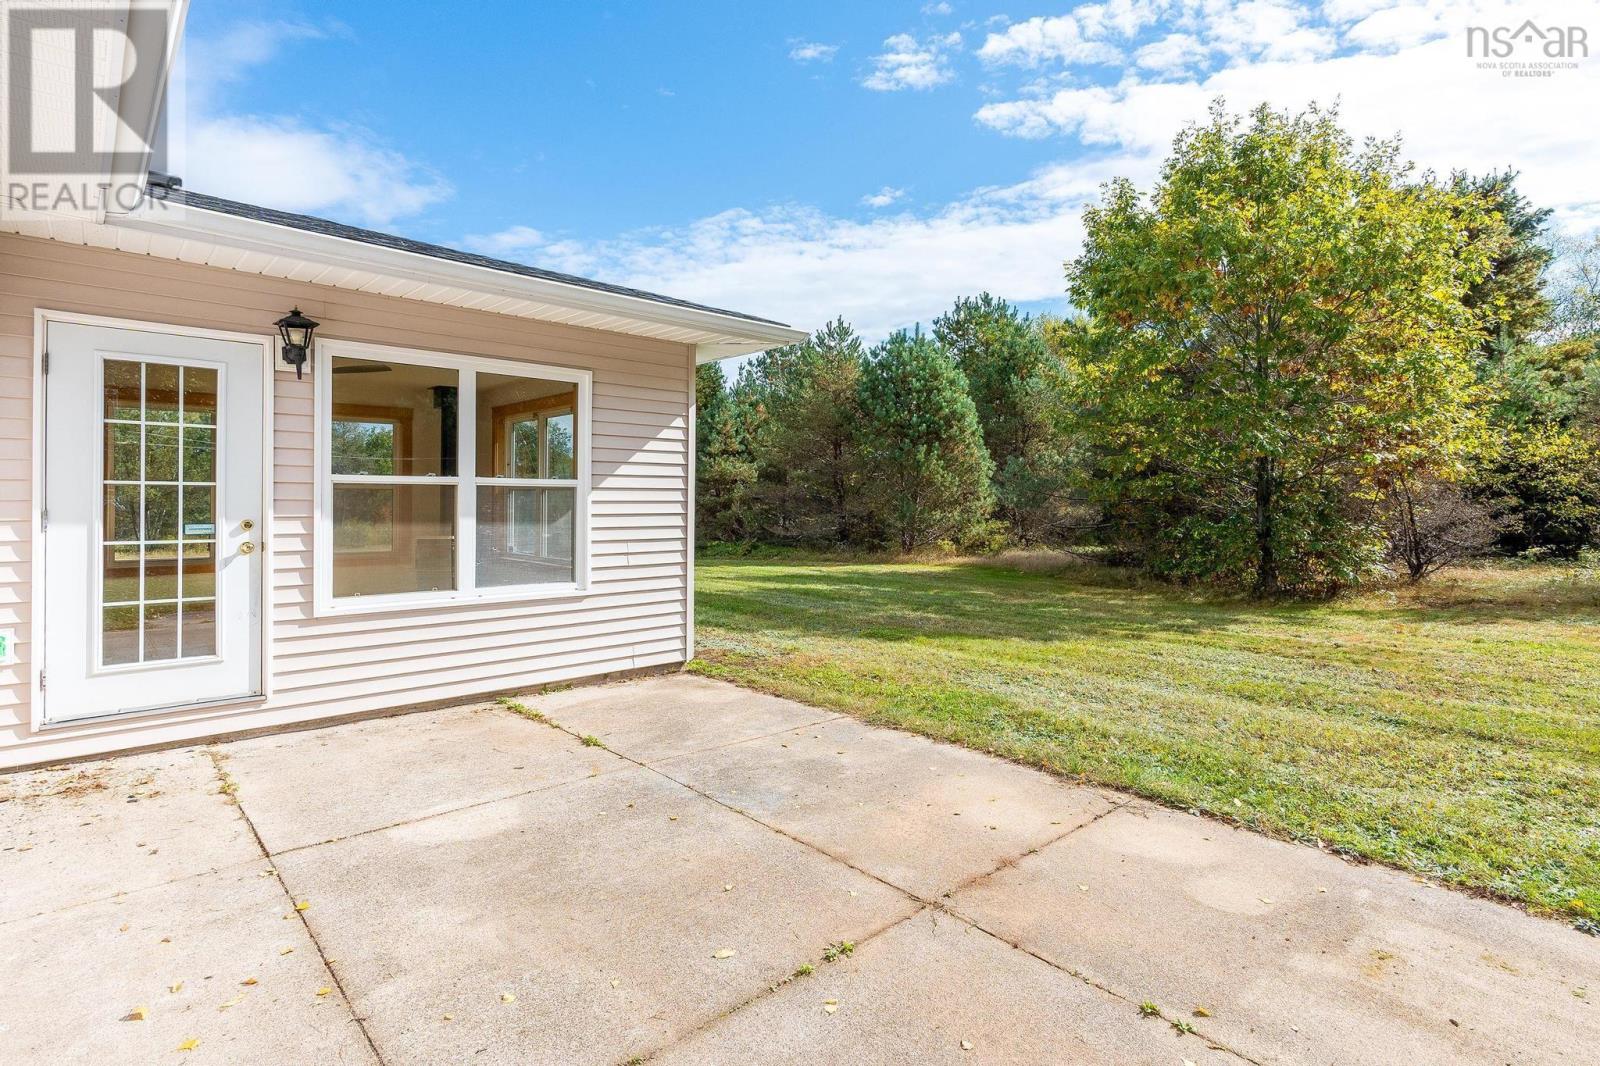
[[466, 591]]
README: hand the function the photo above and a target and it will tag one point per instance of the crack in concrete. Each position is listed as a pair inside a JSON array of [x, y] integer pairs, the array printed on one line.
[[277, 875]]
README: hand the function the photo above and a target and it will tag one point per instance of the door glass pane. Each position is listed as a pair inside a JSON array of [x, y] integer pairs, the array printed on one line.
[[199, 628], [158, 579], [160, 631], [120, 573], [199, 395], [123, 384], [524, 536], [199, 454], [394, 419], [160, 512], [161, 392], [123, 451], [119, 636], [161, 453], [509, 413], [160, 572], [200, 569], [122, 512], [393, 538], [199, 512]]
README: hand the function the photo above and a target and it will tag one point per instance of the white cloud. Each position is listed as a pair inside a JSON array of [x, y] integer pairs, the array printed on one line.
[[907, 63], [1398, 27], [1450, 113], [284, 162], [1269, 28], [281, 163], [804, 266], [1043, 40], [812, 52], [212, 63], [1172, 53], [940, 8], [512, 241], [883, 197]]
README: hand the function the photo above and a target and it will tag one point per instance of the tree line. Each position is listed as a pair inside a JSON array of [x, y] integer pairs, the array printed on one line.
[[1294, 364]]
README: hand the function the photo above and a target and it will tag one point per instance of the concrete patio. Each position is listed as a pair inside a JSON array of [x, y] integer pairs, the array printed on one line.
[[469, 885]]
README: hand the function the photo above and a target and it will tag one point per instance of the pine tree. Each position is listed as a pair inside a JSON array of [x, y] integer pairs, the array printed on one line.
[[927, 471]]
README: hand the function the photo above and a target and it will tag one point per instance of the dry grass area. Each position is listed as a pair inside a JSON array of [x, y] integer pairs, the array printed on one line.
[[1452, 729]]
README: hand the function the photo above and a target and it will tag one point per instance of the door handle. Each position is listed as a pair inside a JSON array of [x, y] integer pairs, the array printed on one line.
[[247, 547]]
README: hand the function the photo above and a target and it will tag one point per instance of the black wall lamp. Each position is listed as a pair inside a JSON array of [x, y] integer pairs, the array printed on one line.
[[296, 330]]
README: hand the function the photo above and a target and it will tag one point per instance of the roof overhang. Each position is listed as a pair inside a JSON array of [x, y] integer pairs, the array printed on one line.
[[212, 238]]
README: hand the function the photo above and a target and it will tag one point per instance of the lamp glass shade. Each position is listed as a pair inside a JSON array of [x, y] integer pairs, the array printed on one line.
[[296, 329]]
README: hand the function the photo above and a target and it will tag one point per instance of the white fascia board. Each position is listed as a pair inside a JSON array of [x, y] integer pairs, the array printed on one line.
[[710, 353], [186, 222]]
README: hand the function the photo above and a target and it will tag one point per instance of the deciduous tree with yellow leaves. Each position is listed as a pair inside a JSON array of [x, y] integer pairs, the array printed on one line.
[[1275, 333]]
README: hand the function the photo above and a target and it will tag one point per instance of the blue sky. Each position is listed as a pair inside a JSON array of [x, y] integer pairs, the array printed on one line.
[[807, 160]]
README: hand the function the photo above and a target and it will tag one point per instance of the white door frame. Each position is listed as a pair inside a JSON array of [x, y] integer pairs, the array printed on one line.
[[42, 317]]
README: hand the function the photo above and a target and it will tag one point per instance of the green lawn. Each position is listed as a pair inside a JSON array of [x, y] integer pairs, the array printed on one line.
[[1453, 729]]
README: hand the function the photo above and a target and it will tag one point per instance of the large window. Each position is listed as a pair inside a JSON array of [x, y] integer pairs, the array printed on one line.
[[448, 478]]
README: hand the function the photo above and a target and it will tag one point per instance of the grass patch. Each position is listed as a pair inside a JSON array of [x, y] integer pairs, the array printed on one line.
[[1451, 729]]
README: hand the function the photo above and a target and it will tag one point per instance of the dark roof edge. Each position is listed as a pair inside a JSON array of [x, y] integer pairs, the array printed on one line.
[[325, 227]]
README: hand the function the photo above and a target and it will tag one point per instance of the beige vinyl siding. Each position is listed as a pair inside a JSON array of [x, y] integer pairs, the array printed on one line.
[[634, 615]]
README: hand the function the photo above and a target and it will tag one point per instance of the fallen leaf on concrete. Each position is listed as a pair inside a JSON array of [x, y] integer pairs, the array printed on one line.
[[249, 981], [137, 1014], [723, 953], [1265, 900], [508, 997], [324, 991], [727, 888], [966, 1045], [1201, 1012], [1083, 888], [189, 1044], [449, 1017], [286, 951], [615, 983], [302, 905], [166, 940], [175, 987], [124, 928], [829, 1006], [672, 817], [234, 1002]]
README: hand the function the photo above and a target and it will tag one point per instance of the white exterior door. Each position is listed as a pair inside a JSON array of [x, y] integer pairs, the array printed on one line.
[[152, 521]]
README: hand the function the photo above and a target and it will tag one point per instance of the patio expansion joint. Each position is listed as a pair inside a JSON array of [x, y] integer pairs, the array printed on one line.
[[431, 815], [769, 990], [938, 905], [1211, 1042], [322, 955]]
